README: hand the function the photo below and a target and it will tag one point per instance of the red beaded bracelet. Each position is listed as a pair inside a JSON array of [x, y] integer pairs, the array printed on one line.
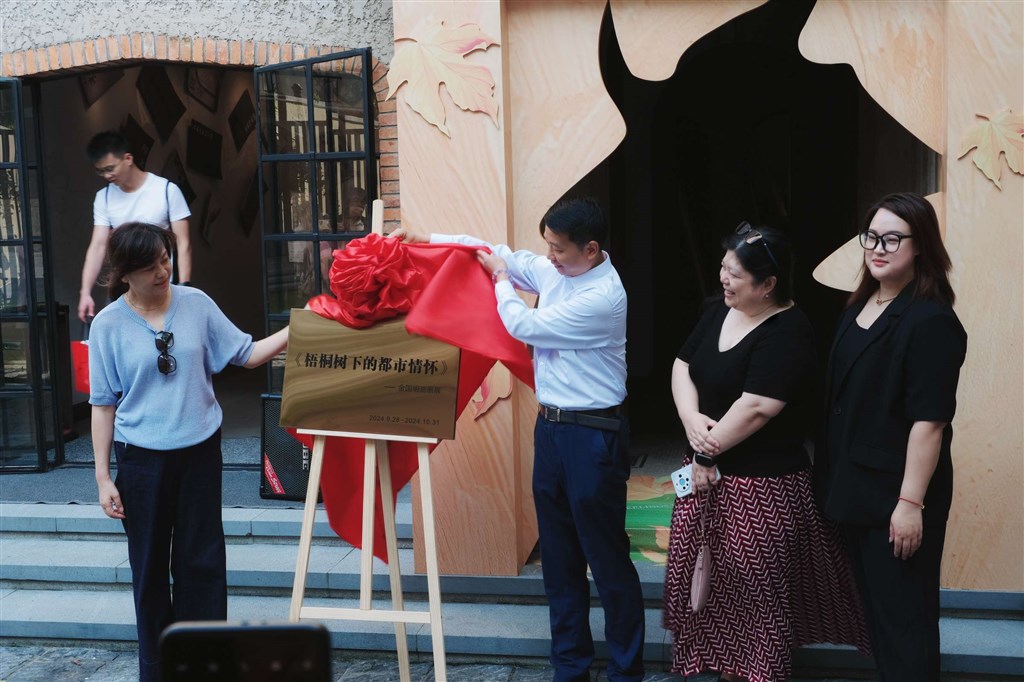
[[916, 504]]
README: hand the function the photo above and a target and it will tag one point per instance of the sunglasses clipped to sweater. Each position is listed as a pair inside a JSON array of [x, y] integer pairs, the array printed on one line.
[[165, 362]]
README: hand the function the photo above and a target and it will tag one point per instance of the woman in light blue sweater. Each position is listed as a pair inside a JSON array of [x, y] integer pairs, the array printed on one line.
[[152, 355]]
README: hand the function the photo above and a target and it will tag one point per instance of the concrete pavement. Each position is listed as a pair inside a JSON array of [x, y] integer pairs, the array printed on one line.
[[63, 663]]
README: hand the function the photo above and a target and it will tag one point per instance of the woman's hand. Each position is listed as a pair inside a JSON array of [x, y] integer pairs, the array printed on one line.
[[110, 499], [906, 529], [697, 426], [704, 478]]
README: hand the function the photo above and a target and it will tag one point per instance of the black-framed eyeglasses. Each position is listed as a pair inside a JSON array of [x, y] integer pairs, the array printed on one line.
[[165, 362], [891, 241], [752, 236], [108, 169]]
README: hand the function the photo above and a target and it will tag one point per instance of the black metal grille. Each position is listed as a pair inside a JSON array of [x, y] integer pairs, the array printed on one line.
[[288, 459]]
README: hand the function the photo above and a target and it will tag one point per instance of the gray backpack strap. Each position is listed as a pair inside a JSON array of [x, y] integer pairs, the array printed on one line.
[[175, 278]]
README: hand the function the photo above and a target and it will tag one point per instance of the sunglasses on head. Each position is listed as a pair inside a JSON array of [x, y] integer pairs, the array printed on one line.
[[165, 362], [751, 236]]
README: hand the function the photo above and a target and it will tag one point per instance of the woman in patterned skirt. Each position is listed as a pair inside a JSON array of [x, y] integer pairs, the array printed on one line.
[[744, 386]]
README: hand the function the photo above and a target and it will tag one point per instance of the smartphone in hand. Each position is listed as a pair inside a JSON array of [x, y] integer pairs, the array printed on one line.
[[682, 480]]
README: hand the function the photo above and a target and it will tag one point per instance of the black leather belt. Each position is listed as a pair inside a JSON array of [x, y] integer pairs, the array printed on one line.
[[606, 419]]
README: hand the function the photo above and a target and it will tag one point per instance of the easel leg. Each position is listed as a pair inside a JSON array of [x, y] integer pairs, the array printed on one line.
[[369, 502], [394, 565], [306, 536], [430, 552]]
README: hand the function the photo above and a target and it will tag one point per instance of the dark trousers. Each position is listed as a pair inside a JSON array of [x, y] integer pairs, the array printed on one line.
[[901, 601], [579, 488], [172, 504]]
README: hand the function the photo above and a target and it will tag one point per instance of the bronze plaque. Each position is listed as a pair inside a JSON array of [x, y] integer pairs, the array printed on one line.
[[381, 380]]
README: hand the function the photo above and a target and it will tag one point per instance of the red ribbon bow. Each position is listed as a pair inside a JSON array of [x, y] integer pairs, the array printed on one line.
[[445, 295]]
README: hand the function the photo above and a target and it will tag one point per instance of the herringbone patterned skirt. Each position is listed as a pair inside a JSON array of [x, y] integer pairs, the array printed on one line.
[[780, 579]]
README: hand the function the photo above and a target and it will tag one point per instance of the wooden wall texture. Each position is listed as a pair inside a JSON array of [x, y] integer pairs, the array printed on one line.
[[931, 64]]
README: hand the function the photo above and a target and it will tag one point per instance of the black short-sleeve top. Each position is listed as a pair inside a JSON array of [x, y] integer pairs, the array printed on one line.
[[903, 369], [777, 360]]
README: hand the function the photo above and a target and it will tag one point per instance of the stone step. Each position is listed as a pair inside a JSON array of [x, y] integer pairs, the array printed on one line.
[[480, 629], [263, 566], [980, 647], [268, 561], [64, 574], [255, 523]]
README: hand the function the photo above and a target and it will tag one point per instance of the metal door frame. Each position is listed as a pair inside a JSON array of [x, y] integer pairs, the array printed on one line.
[[37, 319], [368, 156]]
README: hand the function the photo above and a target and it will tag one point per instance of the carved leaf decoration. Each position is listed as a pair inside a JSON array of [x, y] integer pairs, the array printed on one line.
[[437, 58], [992, 136], [497, 386]]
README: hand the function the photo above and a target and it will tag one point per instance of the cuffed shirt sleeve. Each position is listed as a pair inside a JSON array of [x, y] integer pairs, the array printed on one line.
[[522, 265]]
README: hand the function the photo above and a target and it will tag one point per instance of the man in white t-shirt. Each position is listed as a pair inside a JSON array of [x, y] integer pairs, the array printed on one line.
[[131, 195]]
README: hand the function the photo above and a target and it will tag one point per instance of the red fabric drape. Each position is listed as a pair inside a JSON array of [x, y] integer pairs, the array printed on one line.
[[445, 295]]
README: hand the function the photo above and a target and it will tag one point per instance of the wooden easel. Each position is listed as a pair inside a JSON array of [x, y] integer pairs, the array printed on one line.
[[376, 459]]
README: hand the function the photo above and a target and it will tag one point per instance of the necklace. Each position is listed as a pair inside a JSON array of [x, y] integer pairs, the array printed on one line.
[[140, 308], [733, 333], [762, 311], [879, 300]]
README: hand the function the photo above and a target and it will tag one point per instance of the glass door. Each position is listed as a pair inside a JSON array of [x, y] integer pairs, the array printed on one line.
[[318, 173], [29, 411]]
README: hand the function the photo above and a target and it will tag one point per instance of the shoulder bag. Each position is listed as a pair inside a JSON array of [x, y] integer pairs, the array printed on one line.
[[700, 586]]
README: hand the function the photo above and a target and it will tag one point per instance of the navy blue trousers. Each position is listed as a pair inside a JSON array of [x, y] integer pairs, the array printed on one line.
[[172, 505], [579, 488]]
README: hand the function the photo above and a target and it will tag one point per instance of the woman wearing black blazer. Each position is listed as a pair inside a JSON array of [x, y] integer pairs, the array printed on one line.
[[885, 472]]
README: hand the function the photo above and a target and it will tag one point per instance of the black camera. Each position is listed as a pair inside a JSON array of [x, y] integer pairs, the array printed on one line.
[[245, 652]]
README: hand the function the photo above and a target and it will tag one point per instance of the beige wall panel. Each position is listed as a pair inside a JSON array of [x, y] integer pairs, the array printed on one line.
[[563, 121], [985, 236], [654, 34], [841, 269], [475, 512], [525, 404], [458, 184], [896, 49]]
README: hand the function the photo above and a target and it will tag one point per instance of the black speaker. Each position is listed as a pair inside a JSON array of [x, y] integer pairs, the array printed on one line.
[[284, 470]]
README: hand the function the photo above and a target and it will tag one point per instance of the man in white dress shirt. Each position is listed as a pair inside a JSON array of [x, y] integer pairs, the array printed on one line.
[[131, 196], [578, 331]]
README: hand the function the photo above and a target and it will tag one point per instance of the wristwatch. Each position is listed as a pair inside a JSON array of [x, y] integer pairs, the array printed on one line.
[[704, 460]]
